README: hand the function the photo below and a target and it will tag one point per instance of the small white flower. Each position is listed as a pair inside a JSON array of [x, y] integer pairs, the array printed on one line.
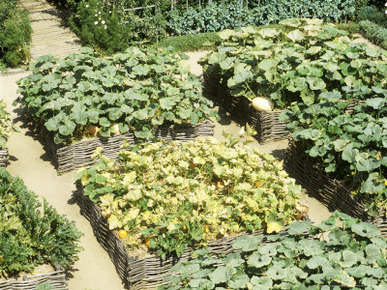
[[87, 5], [96, 22], [99, 12], [110, 12], [95, 15], [105, 26], [103, 22]]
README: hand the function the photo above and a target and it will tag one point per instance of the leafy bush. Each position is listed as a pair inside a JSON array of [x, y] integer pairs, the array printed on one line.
[[373, 14], [340, 252], [137, 90], [216, 17], [294, 63], [169, 195], [6, 126], [105, 26], [15, 34], [31, 235], [349, 147], [374, 32]]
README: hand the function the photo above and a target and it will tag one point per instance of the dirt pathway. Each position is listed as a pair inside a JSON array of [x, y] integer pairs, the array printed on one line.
[[49, 35]]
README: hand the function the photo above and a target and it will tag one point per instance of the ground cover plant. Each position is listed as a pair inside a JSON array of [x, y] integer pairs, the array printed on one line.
[[15, 35], [339, 253], [6, 126], [348, 146], [86, 95], [162, 197], [31, 234], [295, 63]]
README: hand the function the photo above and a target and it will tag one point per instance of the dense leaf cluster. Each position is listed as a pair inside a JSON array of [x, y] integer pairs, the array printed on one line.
[[351, 147], [341, 252], [15, 34], [136, 90], [374, 32], [108, 26], [233, 14], [169, 195], [31, 235], [373, 14], [294, 63], [6, 126]]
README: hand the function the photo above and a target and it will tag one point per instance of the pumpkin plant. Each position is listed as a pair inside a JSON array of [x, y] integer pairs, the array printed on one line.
[[6, 126], [348, 146], [341, 252], [297, 62], [168, 195], [85, 94]]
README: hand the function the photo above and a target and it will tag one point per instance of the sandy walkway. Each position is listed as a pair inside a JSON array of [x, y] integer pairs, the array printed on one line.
[[49, 35]]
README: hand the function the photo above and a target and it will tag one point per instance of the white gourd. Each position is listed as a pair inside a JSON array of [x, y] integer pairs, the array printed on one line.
[[262, 104]]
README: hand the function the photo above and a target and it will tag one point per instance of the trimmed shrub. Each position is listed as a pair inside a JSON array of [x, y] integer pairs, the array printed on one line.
[[374, 32], [15, 34]]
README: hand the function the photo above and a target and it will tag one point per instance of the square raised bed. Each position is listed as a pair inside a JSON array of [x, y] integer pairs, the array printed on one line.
[[267, 124], [330, 192], [67, 158], [57, 280], [138, 273]]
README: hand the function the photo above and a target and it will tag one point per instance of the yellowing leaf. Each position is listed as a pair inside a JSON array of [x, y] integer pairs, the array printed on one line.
[[273, 227], [114, 222], [131, 215], [134, 194], [129, 178]]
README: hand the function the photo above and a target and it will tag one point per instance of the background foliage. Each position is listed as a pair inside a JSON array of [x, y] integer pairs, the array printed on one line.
[[15, 34], [219, 16]]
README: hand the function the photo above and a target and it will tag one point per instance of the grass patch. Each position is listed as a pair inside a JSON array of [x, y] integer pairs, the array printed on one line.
[[202, 41], [351, 27]]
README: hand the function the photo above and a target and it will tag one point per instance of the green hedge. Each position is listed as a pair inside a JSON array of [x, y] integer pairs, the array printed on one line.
[[372, 13], [374, 32], [15, 34]]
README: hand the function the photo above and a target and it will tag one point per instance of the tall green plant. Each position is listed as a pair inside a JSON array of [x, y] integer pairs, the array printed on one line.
[[15, 34]]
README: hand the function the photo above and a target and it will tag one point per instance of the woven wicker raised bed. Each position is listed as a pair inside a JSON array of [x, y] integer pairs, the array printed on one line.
[[56, 279], [67, 158], [139, 273], [330, 192], [3, 157], [267, 124]]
